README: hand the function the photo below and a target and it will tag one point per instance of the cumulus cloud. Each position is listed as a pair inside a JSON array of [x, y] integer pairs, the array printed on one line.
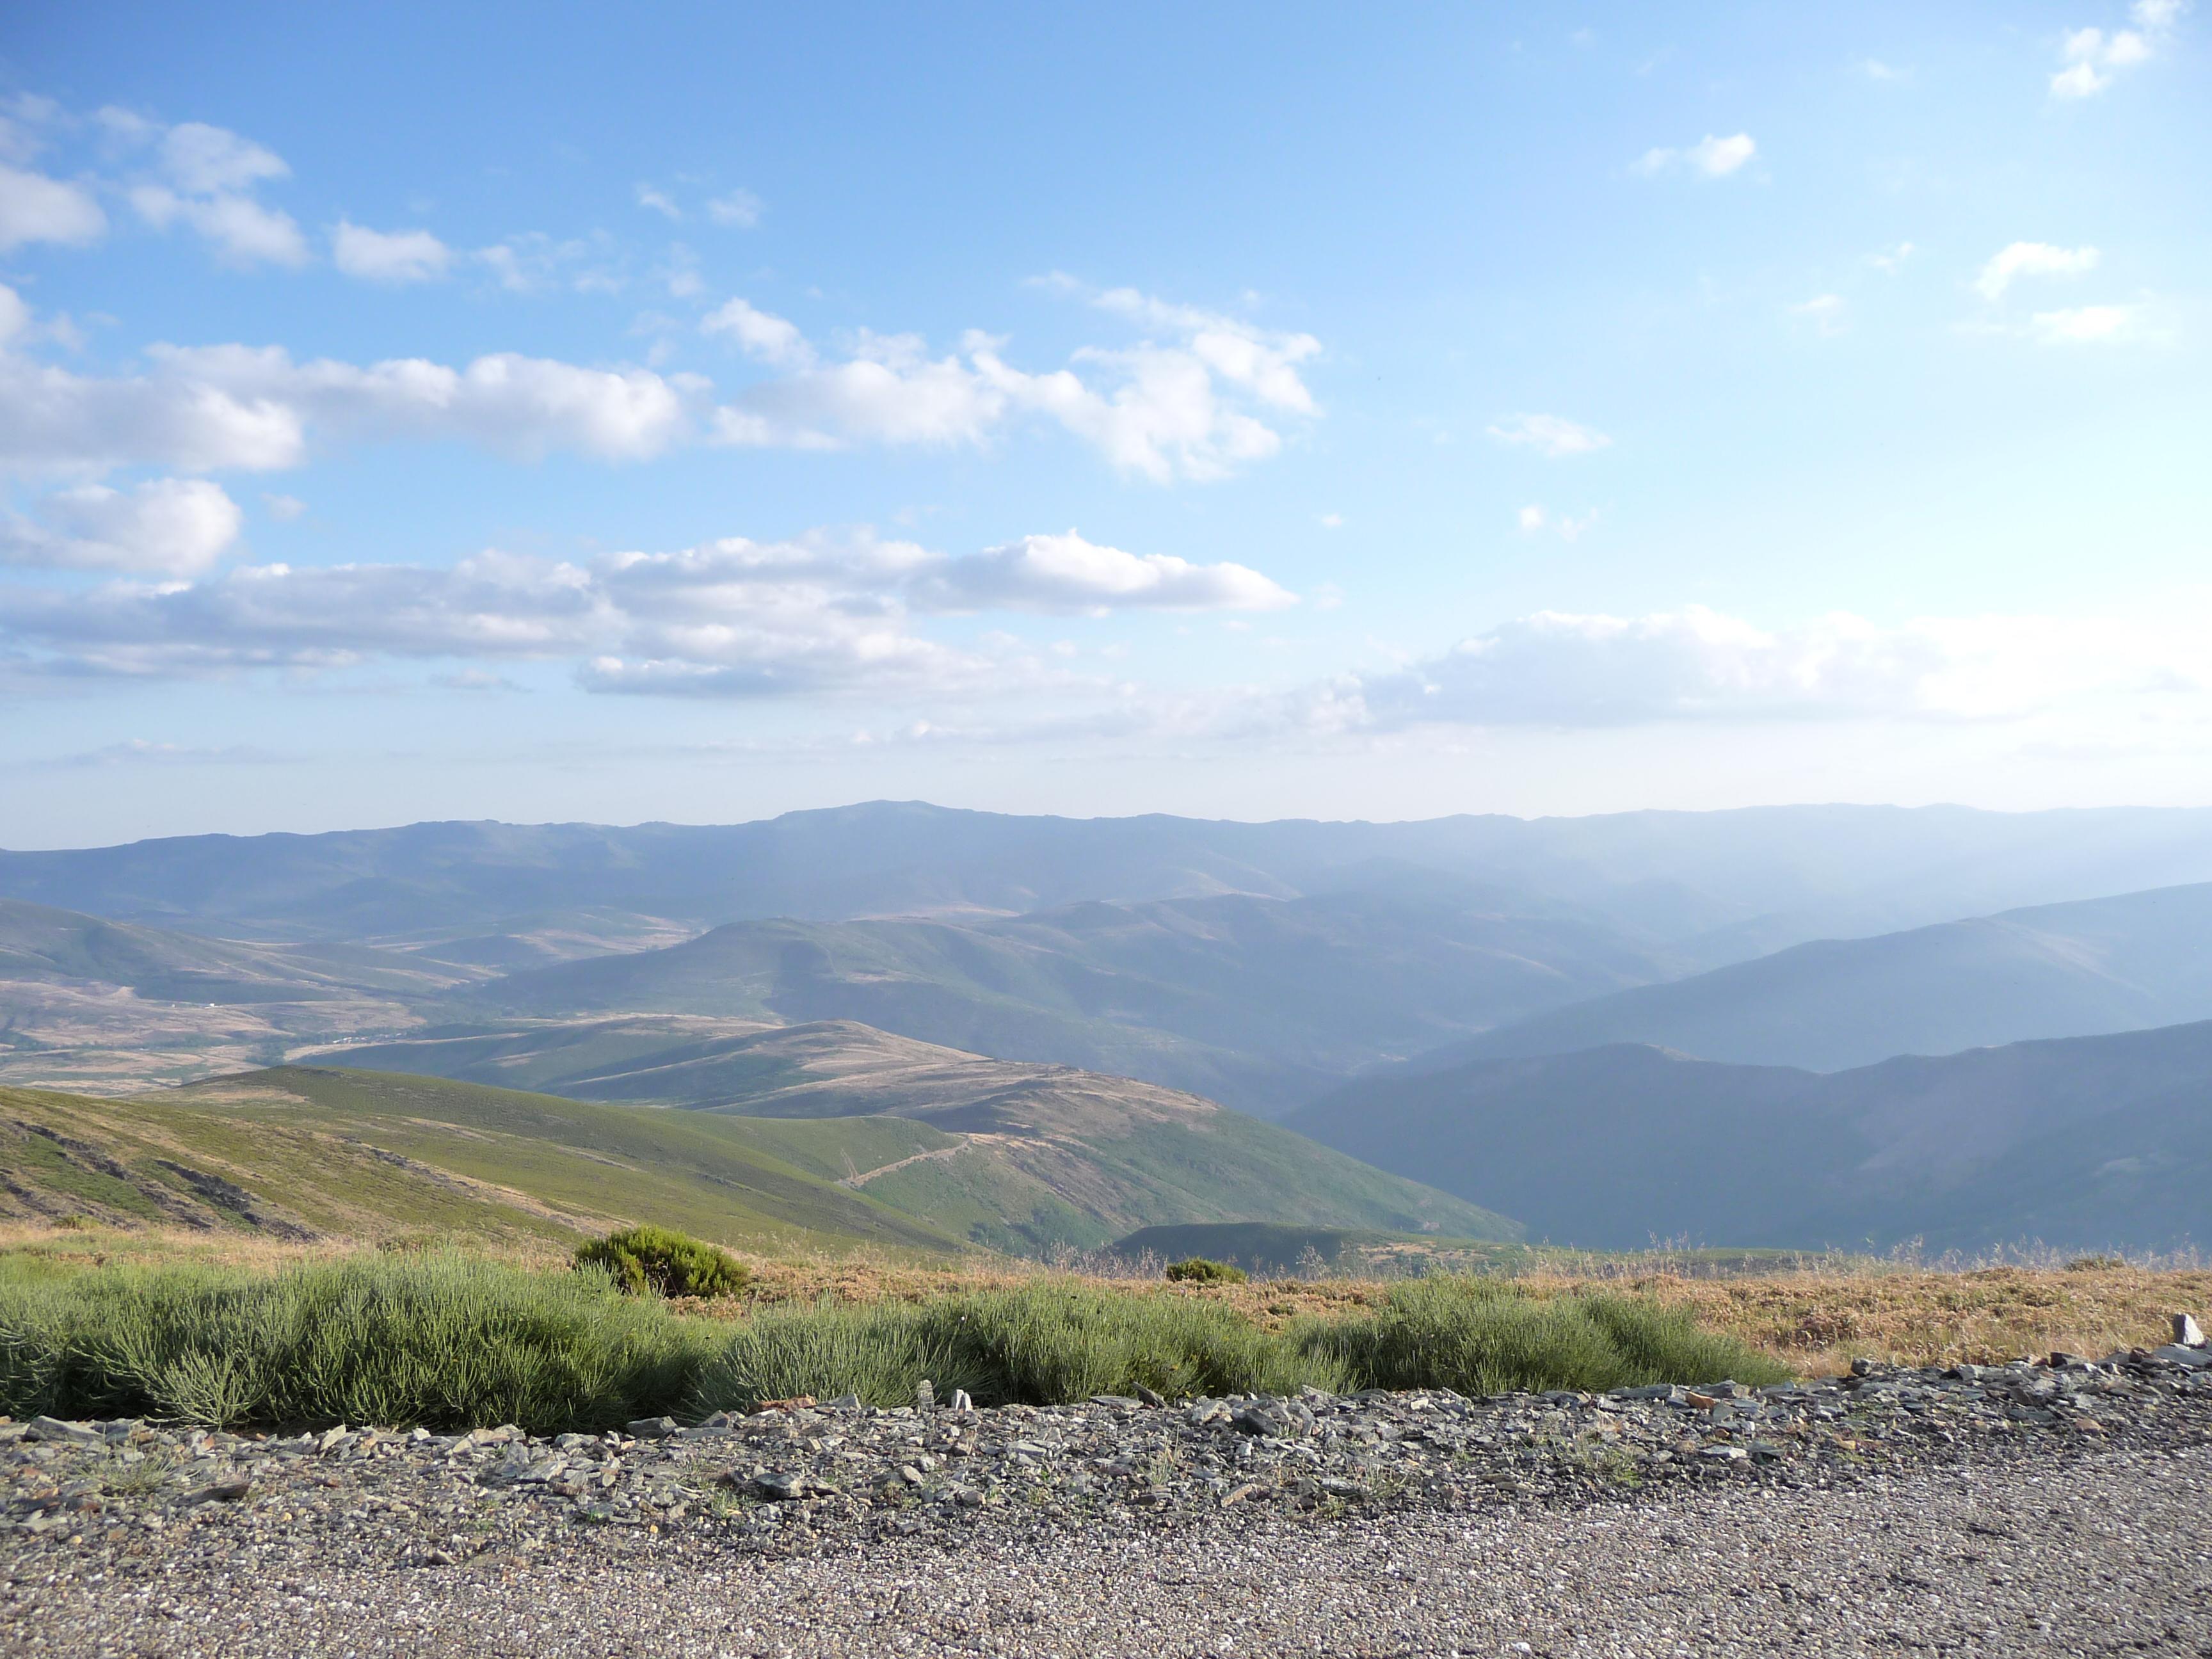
[[174, 527], [1708, 158], [2019, 259], [760, 335], [253, 408], [821, 613], [1066, 572], [1551, 436], [1192, 401], [658, 202], [2091, 56], [36, 209], [396, 257], [206, 178]]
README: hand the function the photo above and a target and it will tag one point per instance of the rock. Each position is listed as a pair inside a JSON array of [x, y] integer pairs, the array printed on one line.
[[1723, 1454], [960, 1401], [2185, 1333], [2192, 1358], [1149, 1397], [651, 1428], [844, 1402], [925, 1396], [228, 1490], [53, 1429], [780, 1487]]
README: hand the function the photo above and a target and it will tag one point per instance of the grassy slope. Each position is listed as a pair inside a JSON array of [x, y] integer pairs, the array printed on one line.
[[1027, 1156], [305, 1144]]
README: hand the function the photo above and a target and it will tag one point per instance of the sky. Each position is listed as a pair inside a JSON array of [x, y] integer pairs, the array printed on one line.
[[697, 413]]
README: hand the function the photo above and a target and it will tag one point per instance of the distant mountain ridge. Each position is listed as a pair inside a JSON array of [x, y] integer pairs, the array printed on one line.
[[2110, 965], [2080, 1142], [1720, 886]]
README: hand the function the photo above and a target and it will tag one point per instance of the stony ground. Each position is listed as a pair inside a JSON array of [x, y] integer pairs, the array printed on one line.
[[2024, 1509]]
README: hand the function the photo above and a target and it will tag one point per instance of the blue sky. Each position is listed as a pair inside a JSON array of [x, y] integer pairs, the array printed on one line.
[[1250, 411]]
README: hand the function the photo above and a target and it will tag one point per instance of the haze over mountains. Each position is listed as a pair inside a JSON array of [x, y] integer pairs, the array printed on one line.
[[1044, 987], [2106, 964], [2103, 1139], [1721, 885]]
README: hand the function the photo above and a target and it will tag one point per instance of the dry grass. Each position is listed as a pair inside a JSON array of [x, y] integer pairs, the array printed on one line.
[[1815, 1318]]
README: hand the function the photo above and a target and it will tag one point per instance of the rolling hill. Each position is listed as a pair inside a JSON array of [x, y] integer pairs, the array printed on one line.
[[112, 1007], [2082, 1142], [1258, 1002], [1027, 1155], [2112, 964], [296, 1151]]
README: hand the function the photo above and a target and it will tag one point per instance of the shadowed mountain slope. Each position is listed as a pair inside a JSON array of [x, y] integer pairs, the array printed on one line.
[[1260, 1002], [2112, 964], [2080, 1142]]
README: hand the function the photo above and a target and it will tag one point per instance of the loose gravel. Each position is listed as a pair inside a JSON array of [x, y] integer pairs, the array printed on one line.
[[2033, 1508]]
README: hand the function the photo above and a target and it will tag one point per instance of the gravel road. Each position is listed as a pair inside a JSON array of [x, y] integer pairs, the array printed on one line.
[[2042, 1549]]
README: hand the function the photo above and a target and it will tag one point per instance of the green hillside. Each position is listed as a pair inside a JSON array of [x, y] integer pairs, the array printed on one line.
[[1027, 1156], [297, 1150]]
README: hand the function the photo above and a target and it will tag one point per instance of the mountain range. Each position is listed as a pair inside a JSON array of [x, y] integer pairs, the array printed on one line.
[[2088, 1141]]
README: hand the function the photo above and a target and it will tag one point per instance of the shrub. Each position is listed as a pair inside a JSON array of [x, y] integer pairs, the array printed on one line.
[[442, 1340], [1197, 1270], [664, 1262], [1482, 1336]]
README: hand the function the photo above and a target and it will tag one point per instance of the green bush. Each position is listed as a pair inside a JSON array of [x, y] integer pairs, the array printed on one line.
[[1197, 1270], [442, 1340], [452, 1342], [1484, 1336], [664, 1262]]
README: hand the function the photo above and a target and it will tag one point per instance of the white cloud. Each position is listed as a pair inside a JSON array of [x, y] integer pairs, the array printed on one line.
[[740, 209], [395, 257], [2087, 323], [823, 613], [249, 408], [1823, 311], [1332, 521], [2091, 55], [1195, 407], [658, 202], [534, 262], [1891, 260], [759, 334], [1535, 519], [1066, 572], [1560, 670], [1875, 70], [2032, 259], [284, 508], [36, 209], [174, 527], [207, 178], [1709, 157], [1553, 435], [1184, 408]]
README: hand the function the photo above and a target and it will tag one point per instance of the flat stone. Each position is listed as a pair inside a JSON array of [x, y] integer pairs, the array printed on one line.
[[650, 1428], [2193, 1358], [2185, 1333], [52, 1429]]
